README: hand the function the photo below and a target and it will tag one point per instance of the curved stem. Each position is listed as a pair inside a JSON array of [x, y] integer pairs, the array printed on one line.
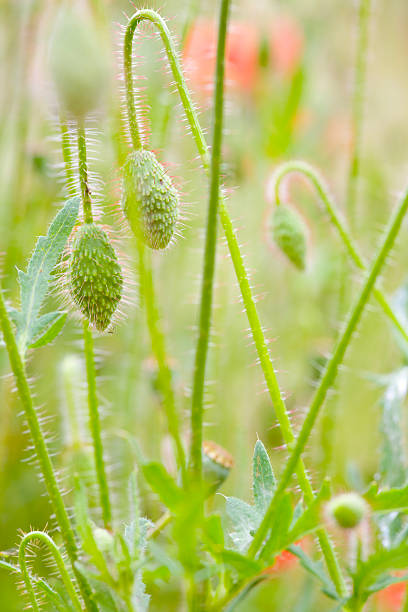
[[323, 191], [159, 350], [358, 105], [95, 426], [41, 450], [49, 542], [209, 254], [330, 373], [240, 271]]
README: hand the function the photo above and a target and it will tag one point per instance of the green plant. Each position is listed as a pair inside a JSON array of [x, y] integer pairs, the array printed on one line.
[[104, 554]]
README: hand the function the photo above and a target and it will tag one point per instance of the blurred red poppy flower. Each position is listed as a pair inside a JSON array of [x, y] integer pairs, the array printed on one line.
[[285, 45], [284, 561], [392, 598]]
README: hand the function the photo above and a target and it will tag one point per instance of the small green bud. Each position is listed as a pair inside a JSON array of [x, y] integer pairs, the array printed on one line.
[[95, 275], [289, 233], [149, 199], [103, 539], [347, 509], [217, 463], [77, 65]]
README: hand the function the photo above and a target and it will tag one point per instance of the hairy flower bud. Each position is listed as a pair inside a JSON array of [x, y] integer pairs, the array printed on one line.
[[149, 201], [289, 234], [95, 275], [217, 463], [77, 64], [347, 509]]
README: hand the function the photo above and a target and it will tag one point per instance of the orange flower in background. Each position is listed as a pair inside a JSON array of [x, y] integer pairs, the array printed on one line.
[[241, 55], [392, 598], [285, 560], [285, 45]]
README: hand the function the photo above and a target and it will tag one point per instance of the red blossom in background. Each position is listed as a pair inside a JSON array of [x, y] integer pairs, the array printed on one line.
[[285, 42], [392, 598]]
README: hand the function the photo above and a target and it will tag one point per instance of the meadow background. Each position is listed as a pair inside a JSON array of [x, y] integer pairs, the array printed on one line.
[[275, 112]]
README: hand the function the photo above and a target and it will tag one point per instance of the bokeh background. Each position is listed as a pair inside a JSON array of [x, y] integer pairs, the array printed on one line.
[[290, 77]]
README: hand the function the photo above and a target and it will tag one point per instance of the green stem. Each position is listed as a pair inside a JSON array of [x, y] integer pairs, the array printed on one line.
[[41, 450], [159, 350], [323, 191], [67, 156], [63, 573], [330, 373], [239, 267], [358, 106], [95, 426], [209, 254], [93, 408], [83, 175]]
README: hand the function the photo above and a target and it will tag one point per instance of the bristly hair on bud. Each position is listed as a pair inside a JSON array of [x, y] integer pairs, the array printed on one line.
[[289, 234], [149, 200], [347, 510], [96, 279]]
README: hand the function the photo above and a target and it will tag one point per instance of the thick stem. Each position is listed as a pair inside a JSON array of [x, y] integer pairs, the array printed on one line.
[[330, 373], [335, 217], [95, 426], [209, 254], [63, 573], [358, 106], [159, 350], [41, 450], [240, 271]]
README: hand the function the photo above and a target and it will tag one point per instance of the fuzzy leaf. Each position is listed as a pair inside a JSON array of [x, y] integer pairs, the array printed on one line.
[[242, 565], [34, 282], [163, 484], [245, 520], [264, 481], [49, 326], [140, 599], [392, 500]]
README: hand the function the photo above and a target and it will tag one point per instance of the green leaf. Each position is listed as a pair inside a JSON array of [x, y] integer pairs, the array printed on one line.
[[163, 484], [316, 569], [310, 520], [384, 581], [264, 481], [242, 565], [49, 326], [245, 521], [280, 524], [105, 598], [392, 500], [34, 282], [213, 534]]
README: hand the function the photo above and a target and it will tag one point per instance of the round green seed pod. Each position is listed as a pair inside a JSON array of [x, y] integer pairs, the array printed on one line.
[[76, 62], [217, 463], [348, 510], [149, 201], [95, 275], [289, 234]]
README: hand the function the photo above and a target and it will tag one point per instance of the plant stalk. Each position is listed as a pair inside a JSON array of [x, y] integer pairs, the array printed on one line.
[[207, 285], [330, 373]]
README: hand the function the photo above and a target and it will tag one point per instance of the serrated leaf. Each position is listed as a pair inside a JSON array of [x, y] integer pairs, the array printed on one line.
[[245, 521], [163, 484], [34, 282], [140, 599], [264, 481], [49, 326], [385, 581], [391, 500]]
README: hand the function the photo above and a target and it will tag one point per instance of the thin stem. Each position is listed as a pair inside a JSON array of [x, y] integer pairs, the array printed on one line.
[[240, 271], [67, 155], [95, 426], [41, 450], [332, 366], [159, 350], [340, 224], [63, 573], [83, 175], [209, 254], [358, 106], [130, 98]]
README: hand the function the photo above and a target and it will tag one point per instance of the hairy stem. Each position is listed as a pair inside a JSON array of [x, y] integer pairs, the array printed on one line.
[[159, 350], [83, 175], [41, 450], [240, 270], [67, 156], [209, 254], [335, 217], [63, 572], [358, 106], [332, 366], [95, 426]]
